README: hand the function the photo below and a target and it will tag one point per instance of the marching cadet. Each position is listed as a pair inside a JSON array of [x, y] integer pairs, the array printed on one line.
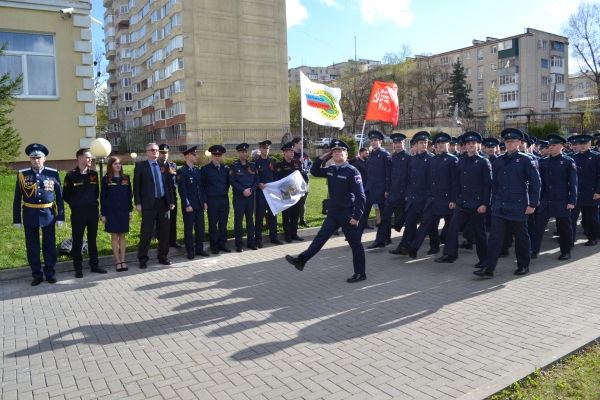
[[502, 149], [301, 156], [396, 198], [163, 157], [267, 173], [453, 146], [597, 142], [431, 147], [558, 197], [441, 200], [39, 188], [286, 167], [516, 193], [588, 194], [215, 178], [490, 146], [193, 204], [544, 150], [379, 167], [472, 200], [347, 204], [244, 182]]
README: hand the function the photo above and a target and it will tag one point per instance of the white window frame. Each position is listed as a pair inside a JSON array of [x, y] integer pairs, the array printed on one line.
[[544, 97], [559, 78], [479, 55], [544, 80], [493, 67], [557, 61], [542, 44], [493, 49], [480, 72], [559, 96], [506, 45]]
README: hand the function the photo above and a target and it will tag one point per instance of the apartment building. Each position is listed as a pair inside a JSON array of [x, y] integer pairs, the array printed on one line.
[[581, 86], [328, 73], [181, 66]]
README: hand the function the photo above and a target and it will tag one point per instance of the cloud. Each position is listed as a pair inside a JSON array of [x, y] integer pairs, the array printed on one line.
[[295, 12], [331, 3], [398, 11]]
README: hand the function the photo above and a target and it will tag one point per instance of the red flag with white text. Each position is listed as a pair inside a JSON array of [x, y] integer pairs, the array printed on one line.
[[383, 104]]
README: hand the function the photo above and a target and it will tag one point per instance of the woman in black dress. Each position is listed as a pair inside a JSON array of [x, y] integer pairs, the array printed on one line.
[[116, 208]]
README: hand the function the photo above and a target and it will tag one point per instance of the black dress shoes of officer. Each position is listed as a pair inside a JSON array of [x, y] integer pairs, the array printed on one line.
[[466, 245], [288, 240], [51, 279], [277, 241], [504, 253], [202, 253], [143, 265], [98, 270], [176, 245], [389, 241], [357, 278], [225, 249], [403, 251], [433, 250], [395, 251], [79, 274], [376, 245], [190, 256], [397, 227], [478, 265], [446, 259], [214, 250], [412, 252], [297, 262], [522, 271], [239, 249], [297, 238], [166, 261], [36, 282], [534, 255], [484, 273], [304, 224], [252, 247], [564, 256], [591, 243], [259, 245]]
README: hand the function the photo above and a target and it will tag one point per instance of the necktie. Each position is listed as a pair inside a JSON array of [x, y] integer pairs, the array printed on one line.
[[219, 167], [156, 180]]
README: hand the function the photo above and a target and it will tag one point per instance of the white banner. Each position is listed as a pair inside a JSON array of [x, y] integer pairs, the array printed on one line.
[[320, 103], [284, 193]]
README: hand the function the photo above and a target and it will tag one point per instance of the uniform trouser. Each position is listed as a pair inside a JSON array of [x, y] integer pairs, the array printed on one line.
[[302, 208], [332, 223], [429, 226], [261, 207], [563, 225], [384, 231], [410, 226], [218, 212], [469, 231], [32, 243], [522, 243], [80, 220], [290, 221], [589, 219], [365, 218], [193, 227], [159, 214], [477, 221], [173, 224], [400, 216], [243, 207]]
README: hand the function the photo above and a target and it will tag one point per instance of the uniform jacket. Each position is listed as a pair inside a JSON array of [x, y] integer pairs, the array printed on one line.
[[443, 178], [285, 168], [559, 185], [345, 188], [398, 179], [81, 191], [474, 182], [144, 191], [306, 164], [361, 166], [39, 188], [173, 175], [116, 194], [379, 168], [419, 183], [190, 187], [242, 177], [215, 180], [588, 175], [266, 168]]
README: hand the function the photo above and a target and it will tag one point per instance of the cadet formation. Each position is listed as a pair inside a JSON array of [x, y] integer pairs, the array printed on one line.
[[489, 193]]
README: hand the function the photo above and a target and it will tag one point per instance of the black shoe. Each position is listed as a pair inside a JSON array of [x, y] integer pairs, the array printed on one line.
[[522, 271], [466, 245], [397, 228], [478, 265], [412, 252], [36, 282], [288, 240], [176, 245], [252, 247], [433, 250], [225, 249], [395, 251], [297, 262], [143, 265], [376, 245], [591, 243], [367, 226], [297, 238], [484, 272], [564, 256], [442, 240], [51, 279], [79, 274], [504, 253], [276, 241], [403, 250], [387, 242], [190, 256], [98, 270], [214, 250], [554, 233], [259, 245], [336, 233], [166, 261], [534, 255], [202, 253], [357, 278], [446, 259], [239, 249]]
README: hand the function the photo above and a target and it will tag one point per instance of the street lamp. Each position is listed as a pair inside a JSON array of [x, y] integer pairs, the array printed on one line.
[[133, 157], [100, 148]]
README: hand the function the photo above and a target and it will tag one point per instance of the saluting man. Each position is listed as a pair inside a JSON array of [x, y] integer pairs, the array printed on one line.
[[193, 204], [244, 182], [286, 167], [267, 173], [215, 178], [347, 204], [42, 207], [163, 157]]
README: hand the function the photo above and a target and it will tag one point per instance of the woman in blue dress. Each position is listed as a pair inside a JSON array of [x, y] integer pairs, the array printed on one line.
[[116, 208]]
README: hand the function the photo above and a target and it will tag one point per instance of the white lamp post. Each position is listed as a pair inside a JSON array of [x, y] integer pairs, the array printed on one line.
[[133, 157], [100, 148]]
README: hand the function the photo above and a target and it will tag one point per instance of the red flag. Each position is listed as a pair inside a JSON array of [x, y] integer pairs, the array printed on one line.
[[383, 104]]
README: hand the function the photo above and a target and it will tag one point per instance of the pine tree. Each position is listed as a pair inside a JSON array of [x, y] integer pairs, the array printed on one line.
[[459, 93], [10, 141]]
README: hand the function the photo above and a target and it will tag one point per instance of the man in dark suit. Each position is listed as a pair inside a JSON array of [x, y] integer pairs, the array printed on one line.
[[153, 195]]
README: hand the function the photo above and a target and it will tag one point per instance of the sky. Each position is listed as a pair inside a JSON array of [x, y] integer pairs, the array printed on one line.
[[321, 32]]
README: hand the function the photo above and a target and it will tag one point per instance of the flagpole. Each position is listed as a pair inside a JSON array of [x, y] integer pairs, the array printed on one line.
[[362, 134]]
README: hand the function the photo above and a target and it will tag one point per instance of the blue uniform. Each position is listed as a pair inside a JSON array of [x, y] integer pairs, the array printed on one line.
[[173, 213], [192, 194], [347, 202], [290, 215], [216, 187], [559, 188], [379, 168], [588, 175], [267, 173], [42, 206], [116, 203], [242, 177]]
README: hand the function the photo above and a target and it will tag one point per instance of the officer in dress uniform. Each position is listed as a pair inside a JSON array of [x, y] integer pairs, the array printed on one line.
[[379, 167], [396, 199], [441, 200], [516, 192], [163, 157], [502, 149], [453, 146], [215, 178], [347, 204], [558, 197], [490, 146], [193, 204], [544, 148], [244, 181], [267, 173], [42, 207], [301, 156], [286, 167], [473, 199], [588, 185]]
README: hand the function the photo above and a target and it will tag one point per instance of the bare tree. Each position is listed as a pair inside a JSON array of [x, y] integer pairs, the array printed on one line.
[[356, 84], [398, 67], [430, 87], [100, 74], [583, 31]]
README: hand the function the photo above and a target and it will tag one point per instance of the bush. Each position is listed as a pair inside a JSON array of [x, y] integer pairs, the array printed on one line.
[[351, 142], [541, 131]]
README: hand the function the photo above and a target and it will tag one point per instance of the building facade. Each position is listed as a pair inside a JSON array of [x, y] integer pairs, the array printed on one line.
[[328, 73], [53, 51]]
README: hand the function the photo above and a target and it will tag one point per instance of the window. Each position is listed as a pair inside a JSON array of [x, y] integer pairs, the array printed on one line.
[[33, 56], [468, 86], [456, 58], [493, 67], [444, 106], [559, 96], [176, 109], [133, 19], [157, 15], [159, 95], [505, 45], [493, 49], [178, 86], [479, 72], [468, 71], [560, 78], [160, 114], [542, 44], [126, 67], [480, 88], [508, 79], [128, 111], [556, 61], [135, 53], [135, 36], [588, 85], [480, 106], [558, 46], [148, 101], [132, 3], [109, 32], [544, 63], [137, 105], [509, 114], [159, 74], [509, 96], [114, 114], [175, 65], [126, 82], [149, 63], [135, 71], [124, 39], [175, 43], [158, 34], [137, 87], [444, 76], [444, 91], [123, 9], [125, 53], [142, 31], [468, 56], [507, 62], [146, 119], [544, 80], [544, 97], [158, 55], [145, 10], [126, 96], [444, 60], [142, 50], [493, 83], [479, 55]]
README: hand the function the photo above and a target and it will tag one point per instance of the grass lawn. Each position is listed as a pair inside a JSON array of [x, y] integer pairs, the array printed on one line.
[[575, 377], [13, 243]]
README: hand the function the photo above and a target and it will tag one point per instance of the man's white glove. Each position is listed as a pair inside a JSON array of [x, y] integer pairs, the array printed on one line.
[[18, 226], [59, 223]]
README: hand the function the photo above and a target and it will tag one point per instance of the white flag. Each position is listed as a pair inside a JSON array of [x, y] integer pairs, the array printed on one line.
[[320, 103], [284, 193]]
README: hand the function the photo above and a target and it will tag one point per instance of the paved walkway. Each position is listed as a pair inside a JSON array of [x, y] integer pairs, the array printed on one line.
[[250, 326]]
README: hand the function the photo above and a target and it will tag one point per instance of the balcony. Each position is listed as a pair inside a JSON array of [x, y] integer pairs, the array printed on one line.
[[111, 50], [509, 104], [122, 19], [107, 3], [109, 20], [557, 70], [111, 67]]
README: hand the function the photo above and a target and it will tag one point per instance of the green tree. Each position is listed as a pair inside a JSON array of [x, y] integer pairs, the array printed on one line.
[[102, 110], [459, 92], [492, 125], [295, 108], [10, 140], [356, 83]]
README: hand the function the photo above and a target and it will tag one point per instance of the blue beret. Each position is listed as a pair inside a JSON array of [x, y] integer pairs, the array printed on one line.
[[36, 150], [423, 135], [472, 136], [242, 146], [217, 150], [190, 150], [339, 145], [441, 137], [512, 133], [163, 148], [491, 141], [396, 137], [375, 134]]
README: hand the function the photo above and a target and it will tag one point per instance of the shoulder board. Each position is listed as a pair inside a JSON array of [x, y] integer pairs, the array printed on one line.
[[50, 169], [523, 154], [70, 172], [250, 162], [565, 157], [25, 169], [430, 155]]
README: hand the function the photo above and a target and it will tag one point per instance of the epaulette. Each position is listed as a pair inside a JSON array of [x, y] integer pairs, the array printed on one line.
[[51, 169], [523, 154], [25, 169]]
